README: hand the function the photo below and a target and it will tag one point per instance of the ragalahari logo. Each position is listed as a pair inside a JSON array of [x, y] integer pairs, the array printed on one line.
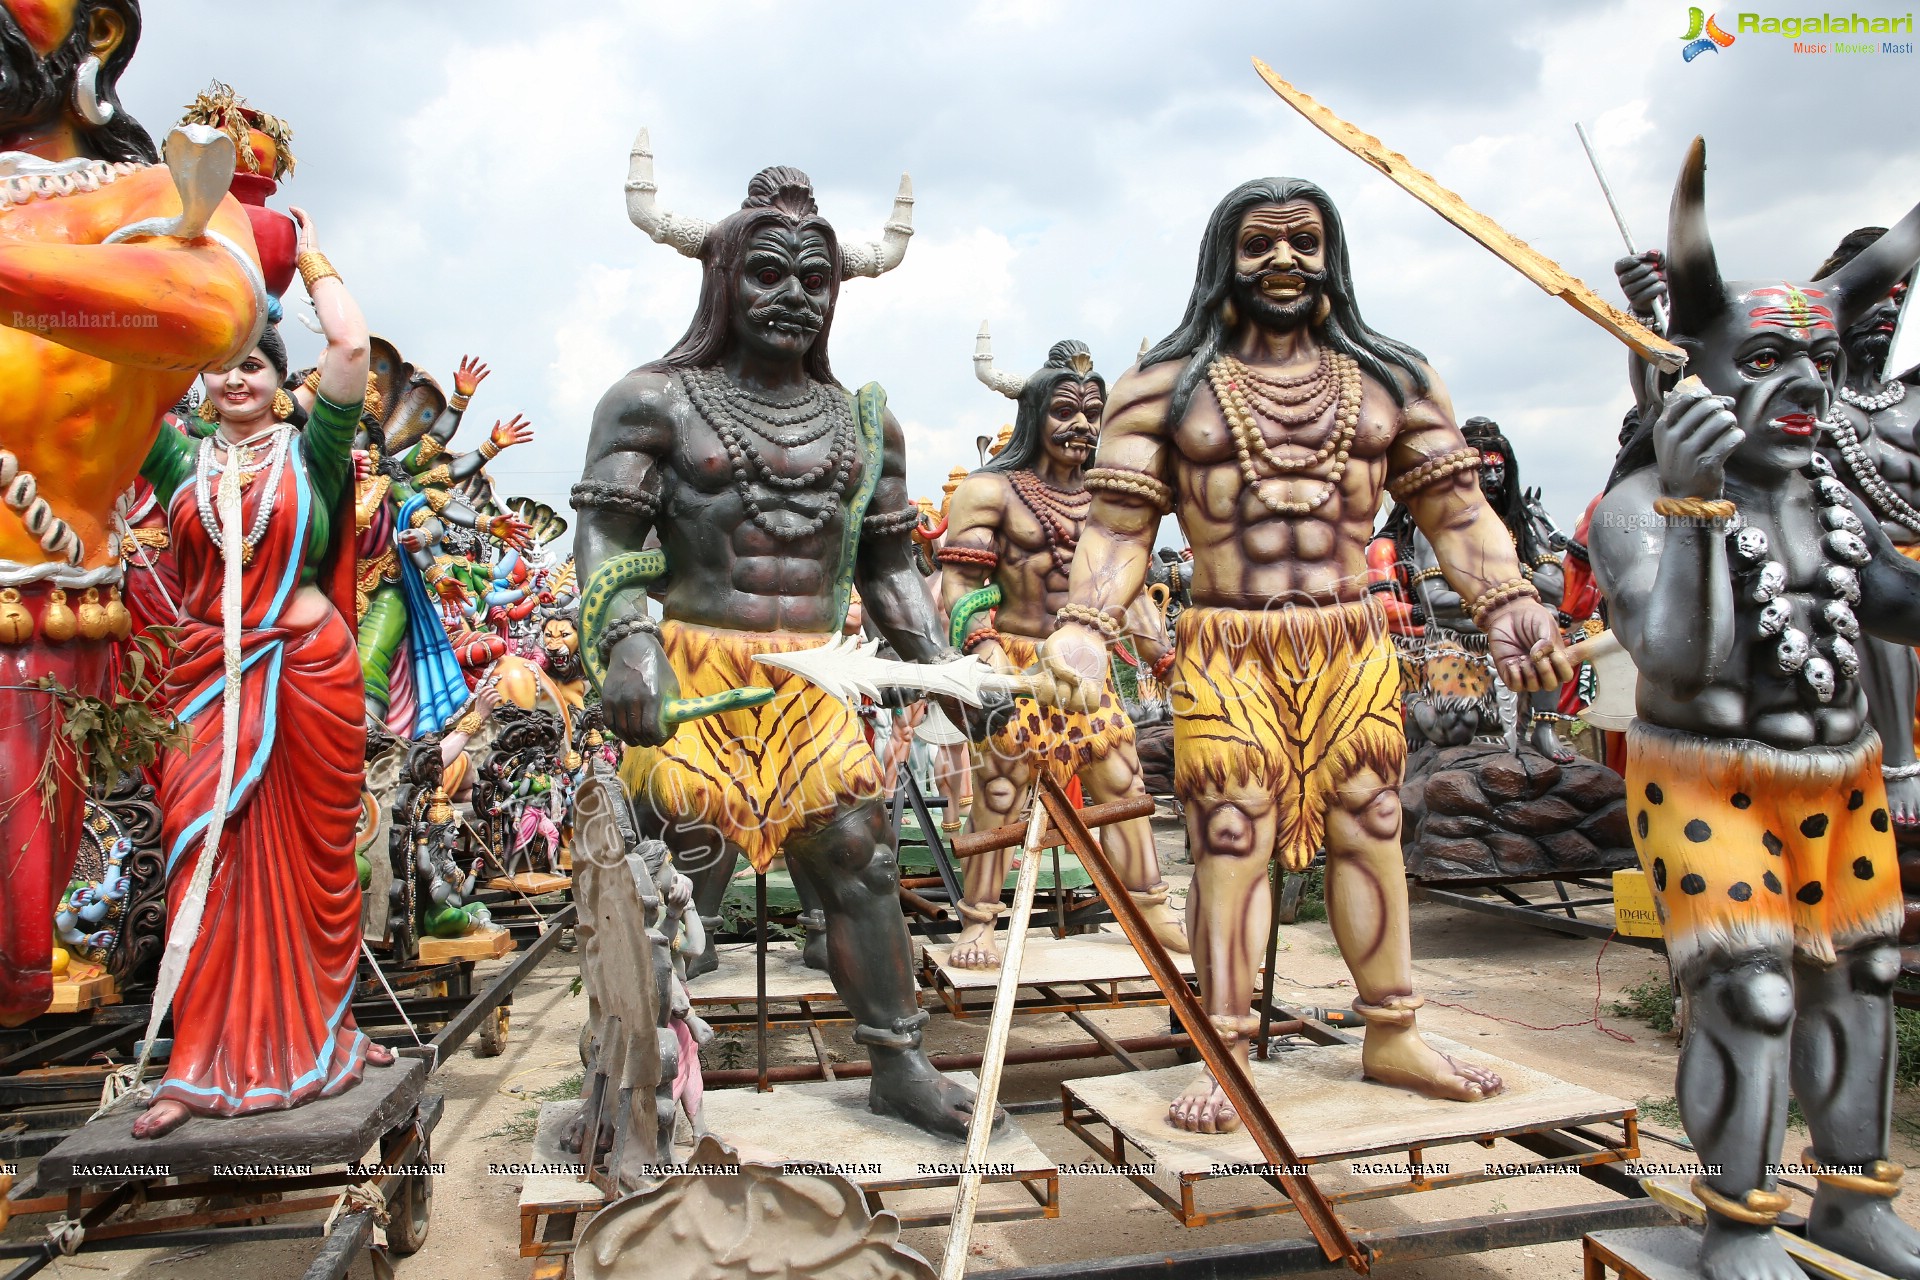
[[1704, 35]]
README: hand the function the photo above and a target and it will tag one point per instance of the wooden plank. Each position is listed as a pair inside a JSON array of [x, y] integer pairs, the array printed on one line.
[[481, 944], [531, 883], [82, 988], [1510, 249], [1098, 815], [1100, 957]]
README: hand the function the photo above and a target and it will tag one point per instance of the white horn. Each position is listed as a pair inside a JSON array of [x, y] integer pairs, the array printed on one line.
[[1005, 383], [688, 235], [1145, 346], [872, 259]]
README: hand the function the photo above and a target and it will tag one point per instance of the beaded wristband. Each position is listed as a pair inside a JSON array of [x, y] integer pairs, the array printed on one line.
[[488, 449], [1433, 470], [889, 523], [980, 556], [979, 636], [1138, 484], [621, 628], [1695, 508], [1428, 574], [1099, 621], [458, 403], [1495, 596]]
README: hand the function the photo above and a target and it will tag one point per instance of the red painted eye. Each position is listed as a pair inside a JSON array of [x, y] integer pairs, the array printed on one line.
[[816, 282], [769, 276], [1257, 245]]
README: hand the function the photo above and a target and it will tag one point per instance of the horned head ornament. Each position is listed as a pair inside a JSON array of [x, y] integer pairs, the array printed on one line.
[[689, 235]]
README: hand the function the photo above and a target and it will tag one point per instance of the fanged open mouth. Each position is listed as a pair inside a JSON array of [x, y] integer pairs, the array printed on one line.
[[1282, 286]]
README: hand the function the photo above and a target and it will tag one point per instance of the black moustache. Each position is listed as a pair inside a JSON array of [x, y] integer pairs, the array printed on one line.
[[772, 315], [1308, 279]]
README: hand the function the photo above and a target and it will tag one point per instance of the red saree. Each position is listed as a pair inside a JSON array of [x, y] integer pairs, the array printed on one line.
[[262, 1019]]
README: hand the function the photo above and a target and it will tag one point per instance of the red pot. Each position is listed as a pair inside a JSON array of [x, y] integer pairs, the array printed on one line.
[[274, 233]]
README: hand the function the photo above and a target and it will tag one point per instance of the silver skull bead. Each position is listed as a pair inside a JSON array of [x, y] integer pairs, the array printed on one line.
[[1842, 582], [1838, 616], [1830, 491], [1794, 649], [1775, 617], [1846, 659], [1771, 582], [1750, 544], [1850, 547], [1842, 518], [1818, 673], [1820, 466]]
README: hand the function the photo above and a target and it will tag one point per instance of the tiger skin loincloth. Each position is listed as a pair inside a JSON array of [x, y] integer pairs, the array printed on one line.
[[761, 774], [1294, 701], [1065, 742]]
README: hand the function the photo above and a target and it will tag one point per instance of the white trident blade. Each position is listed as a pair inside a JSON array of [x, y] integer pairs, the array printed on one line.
[[847, 667]]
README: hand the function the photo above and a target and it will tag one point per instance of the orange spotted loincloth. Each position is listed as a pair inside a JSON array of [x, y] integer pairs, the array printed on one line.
[[1066, 741], [1753, 848]]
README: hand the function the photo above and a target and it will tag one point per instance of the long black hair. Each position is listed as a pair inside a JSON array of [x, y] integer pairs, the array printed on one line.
[[1068, 360], [1203, 330], [779, 196], [1484, 434], [36, 87]]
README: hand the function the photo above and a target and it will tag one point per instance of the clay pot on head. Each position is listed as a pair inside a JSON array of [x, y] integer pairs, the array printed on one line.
[[274, 233]]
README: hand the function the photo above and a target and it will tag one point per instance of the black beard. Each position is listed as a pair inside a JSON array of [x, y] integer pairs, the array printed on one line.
[[1253, 303], [1865, 351], [34, 91]]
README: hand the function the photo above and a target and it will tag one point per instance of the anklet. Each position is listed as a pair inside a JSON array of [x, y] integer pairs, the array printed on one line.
[[1757, 1208]]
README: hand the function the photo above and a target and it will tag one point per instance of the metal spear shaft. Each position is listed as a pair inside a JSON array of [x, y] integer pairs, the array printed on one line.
[[1619, 219], [993, 1059]]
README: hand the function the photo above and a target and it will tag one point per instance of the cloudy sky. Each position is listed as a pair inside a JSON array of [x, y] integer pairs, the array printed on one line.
[[464, 164]]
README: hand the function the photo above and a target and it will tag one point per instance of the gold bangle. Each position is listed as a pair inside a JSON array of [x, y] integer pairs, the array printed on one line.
[[312, 381], [314, 268], [469, 723], [1757, 1208], [459, 402], [1881, 1178], [1695, 508], [489, 450]]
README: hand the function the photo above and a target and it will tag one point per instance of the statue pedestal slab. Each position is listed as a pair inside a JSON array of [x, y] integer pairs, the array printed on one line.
[[481, 944], [1643, 1253], [829, 1125], [1364, 1141], [83, 987], [1077, 973]]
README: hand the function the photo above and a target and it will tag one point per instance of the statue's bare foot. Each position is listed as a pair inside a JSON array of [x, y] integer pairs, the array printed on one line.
[[1548, 742], [1903, 801], [1866, 1229], [378, 1055], [1203, 1108], [1167, 927], [1398, 1056], [906, 1087], [161, 1117], [1739, 1251], [975, 948]]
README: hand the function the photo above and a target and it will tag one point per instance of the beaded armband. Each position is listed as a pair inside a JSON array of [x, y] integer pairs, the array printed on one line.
[[1136, 484], [1498, 594], [596, 495], [979, 556], [428, 449], [441, 476], [438, 499], [1433, 470], [1428, 575], [887, 524], [1086, 617], [632, 625]]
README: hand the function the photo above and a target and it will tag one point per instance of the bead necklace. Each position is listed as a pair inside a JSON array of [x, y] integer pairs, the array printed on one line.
[[1872, 486], [761, 415], [841, 461], [25, 178], [1244, 420], [274, 462], [1890, 395], [1816, 660], [1290, 402], [1061, 514]]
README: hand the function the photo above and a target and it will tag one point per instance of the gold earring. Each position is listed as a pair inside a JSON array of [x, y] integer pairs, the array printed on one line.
[[207, 412], [1322, 310], [1229, 315], [282, 405]]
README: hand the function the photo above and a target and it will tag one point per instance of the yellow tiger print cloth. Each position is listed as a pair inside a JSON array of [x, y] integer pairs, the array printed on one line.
[[1292, 700], [1066, 741], [1750, 847], [761, 774]]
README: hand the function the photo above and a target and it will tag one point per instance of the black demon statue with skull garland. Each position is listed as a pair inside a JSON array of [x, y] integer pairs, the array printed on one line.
[[1741, 574]]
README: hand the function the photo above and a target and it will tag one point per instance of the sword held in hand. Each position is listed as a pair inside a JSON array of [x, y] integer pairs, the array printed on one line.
[[848, 667]]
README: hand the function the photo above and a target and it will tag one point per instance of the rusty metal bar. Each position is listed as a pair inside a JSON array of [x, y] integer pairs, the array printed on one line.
[[1228, 1070], [975, 843], [946, 1061]]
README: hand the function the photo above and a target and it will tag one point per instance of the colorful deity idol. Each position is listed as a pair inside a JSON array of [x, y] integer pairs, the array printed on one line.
[[1269, 422], [1011, 531], [269, 788], [1740, 575], [774, 491], [121, 279]]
